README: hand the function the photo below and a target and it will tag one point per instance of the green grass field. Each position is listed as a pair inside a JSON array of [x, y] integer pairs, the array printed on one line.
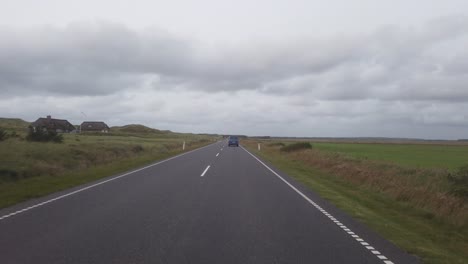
[[412, 155], [33, 169], [408, 203], [13, 124]]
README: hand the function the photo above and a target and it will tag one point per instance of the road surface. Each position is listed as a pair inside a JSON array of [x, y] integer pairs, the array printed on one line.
[[216, 204]]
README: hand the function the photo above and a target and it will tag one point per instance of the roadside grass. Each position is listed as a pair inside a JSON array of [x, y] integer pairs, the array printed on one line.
[[412, 155], [33, 169], [394, 201]]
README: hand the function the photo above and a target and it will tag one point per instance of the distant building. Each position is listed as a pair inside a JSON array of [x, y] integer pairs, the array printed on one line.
[[52, 124], [92, 126]]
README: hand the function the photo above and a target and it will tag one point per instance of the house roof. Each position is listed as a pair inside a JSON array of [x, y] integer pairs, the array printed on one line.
[[52, 123], [94, 125]]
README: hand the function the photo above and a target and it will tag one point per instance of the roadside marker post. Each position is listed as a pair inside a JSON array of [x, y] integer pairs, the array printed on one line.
[[258, 146], [183, 145]]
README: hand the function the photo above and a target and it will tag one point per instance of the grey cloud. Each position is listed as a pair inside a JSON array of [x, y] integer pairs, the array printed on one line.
[[102, 58], [94, 59], [99, 59]]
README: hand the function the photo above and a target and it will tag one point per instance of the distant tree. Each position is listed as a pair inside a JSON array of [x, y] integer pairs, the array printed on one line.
[[41, 135], [3, 134]]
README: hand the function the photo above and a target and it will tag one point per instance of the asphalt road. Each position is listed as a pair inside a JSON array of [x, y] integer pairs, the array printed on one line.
[[178, 211]]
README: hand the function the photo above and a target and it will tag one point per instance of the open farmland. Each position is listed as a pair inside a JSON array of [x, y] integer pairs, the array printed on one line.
[[411, 155], [402, 191]]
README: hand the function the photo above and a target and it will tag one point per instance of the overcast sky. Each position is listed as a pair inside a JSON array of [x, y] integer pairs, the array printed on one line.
[[281, 68]]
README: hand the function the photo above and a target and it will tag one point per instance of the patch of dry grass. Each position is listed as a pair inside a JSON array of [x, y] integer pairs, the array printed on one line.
[[424, 188]]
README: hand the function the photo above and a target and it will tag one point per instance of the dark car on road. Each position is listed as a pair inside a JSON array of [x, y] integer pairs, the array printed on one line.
[[233, 141]]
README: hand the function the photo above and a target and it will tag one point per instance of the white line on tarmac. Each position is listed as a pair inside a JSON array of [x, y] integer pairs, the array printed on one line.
[[360, 240], [94, 185], [217, 155], [207, 168]]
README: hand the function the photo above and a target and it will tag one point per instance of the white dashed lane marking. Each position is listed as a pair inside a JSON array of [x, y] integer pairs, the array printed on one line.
[[207, 168]]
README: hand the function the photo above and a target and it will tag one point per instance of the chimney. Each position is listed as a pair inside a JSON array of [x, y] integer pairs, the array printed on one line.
[[49, 117]]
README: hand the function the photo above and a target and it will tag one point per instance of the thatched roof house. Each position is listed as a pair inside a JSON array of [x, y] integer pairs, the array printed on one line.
[[93, 126], [52, 124]]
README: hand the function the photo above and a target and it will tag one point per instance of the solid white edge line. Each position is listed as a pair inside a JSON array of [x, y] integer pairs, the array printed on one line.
[[97, 184], [207, 168], [381, 257]]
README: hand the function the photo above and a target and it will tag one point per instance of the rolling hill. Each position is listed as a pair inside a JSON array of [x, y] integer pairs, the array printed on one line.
[[138, 129], [13, 124]]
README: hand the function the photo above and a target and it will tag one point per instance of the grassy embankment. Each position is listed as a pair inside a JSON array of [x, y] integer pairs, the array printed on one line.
[[401, 191], [33, 169]]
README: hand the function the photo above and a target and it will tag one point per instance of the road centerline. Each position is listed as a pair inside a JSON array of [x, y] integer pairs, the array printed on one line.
[[204, 172]]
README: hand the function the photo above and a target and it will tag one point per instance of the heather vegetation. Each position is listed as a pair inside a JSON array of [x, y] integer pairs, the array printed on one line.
[[296, 146]]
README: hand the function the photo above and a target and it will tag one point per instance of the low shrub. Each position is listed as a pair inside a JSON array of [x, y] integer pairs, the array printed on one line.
[[296, 147], [3, 135], [137, 148], [40, 135], [8, 175], [459, 182], [14, 135]]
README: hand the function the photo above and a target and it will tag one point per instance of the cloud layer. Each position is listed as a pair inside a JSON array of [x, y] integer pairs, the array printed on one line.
[[405, 80]]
